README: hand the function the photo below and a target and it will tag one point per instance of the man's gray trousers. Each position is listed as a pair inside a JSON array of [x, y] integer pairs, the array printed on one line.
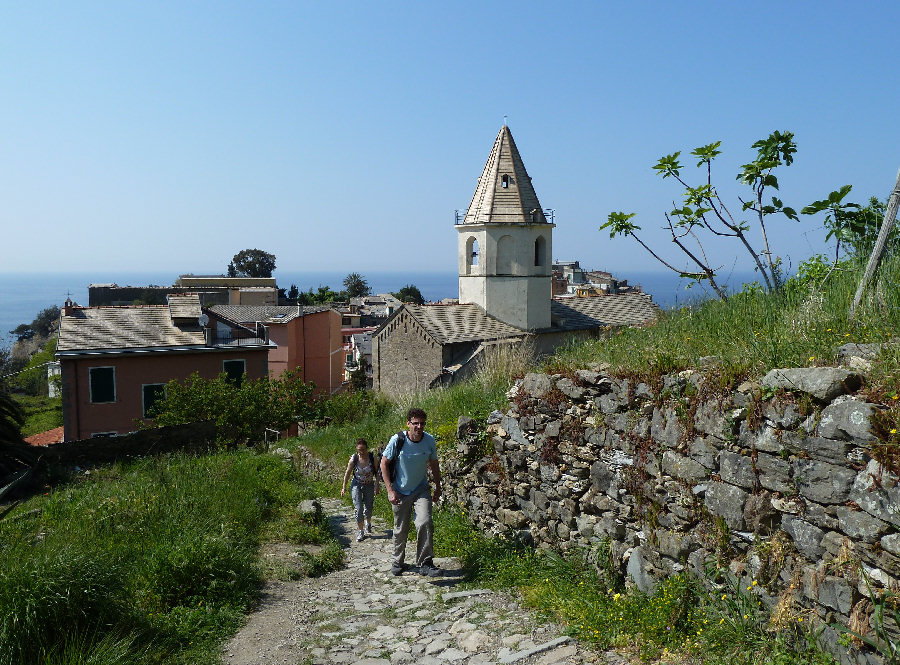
[[420, 501]]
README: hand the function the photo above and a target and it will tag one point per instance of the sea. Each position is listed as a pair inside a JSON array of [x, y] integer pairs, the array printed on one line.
[[23, 295]]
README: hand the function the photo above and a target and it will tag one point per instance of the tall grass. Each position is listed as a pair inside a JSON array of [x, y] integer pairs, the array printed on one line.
[[157, 560], [752, 332]]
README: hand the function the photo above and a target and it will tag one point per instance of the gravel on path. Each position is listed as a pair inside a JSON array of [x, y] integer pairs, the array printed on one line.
[[362, 614]]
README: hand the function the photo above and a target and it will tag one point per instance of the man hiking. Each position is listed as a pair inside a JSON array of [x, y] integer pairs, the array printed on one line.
[[411, 454]]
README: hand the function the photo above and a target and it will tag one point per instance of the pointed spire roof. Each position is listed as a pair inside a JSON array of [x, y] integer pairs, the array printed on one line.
[[504, 194]]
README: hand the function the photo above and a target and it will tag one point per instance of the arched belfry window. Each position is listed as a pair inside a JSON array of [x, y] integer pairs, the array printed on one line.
[[540, 251], [471, 253], [504, 182]]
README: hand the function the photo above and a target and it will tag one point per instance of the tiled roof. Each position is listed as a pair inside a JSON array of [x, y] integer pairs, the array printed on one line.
[[266, 313], [45, 438], [512, 204], [108, 328], [624, 309], [184, 306], [449, 324]]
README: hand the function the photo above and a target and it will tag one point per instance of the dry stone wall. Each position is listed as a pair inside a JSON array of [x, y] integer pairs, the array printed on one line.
[[776, 478]]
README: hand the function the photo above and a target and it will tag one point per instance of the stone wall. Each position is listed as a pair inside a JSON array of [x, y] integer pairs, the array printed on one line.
[[776, 478], [412, 360], [194, 437]]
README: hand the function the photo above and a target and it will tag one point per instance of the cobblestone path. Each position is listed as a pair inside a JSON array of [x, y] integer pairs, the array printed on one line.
[[362, 614]]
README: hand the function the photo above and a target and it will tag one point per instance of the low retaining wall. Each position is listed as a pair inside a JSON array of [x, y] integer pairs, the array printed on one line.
[[194, 437], [777, 477]]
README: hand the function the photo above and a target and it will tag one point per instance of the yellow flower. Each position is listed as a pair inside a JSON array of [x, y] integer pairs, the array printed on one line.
[[847, 335], [811, 358], [724, 596], [754, 582], [895, 397], [893, 431], [800, 619]]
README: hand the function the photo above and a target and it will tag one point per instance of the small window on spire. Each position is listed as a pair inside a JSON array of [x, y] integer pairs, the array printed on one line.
[[505, 181]]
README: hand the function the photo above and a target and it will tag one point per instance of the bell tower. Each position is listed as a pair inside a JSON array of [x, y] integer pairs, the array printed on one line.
[[505, 243]]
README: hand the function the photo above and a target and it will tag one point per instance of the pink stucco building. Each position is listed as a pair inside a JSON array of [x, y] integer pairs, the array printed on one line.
[[115, 361]]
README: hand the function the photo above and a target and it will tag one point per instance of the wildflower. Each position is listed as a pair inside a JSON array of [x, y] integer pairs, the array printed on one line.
[[617, 596], [799, 619], [893, 431], [895, 396], [724, 596], [721, 621], [812, 358]]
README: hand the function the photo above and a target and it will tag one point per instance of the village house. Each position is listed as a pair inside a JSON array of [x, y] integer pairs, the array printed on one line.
[[308, 338], [504, 245], [115, 361]]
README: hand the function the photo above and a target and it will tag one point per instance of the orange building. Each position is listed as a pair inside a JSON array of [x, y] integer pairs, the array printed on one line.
[[115, 361], [306, 337]]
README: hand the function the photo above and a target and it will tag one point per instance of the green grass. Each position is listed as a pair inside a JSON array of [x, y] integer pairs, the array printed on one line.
[[680, 621], [41, 413], [155, 559], [752, 332]]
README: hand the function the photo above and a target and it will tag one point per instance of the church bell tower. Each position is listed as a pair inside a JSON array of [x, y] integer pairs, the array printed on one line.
[[505, 243]]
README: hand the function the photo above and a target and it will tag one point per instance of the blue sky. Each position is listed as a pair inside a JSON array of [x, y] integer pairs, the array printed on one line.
[[342, 136]]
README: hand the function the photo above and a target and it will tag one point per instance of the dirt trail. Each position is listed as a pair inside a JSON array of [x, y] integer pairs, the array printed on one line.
[[363, 614]]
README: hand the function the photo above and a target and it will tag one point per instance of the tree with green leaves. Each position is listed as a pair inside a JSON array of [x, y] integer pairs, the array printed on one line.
[[252, 263], [411, 294], [241, 412], [704, 213], [355, 285], [853, 227]]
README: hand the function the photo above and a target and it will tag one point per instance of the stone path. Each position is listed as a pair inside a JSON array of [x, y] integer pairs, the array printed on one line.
[[362, 614]]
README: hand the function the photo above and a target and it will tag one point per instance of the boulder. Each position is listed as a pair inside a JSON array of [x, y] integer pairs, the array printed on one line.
[[823, 482], [822, 383], [807, 537], [726, 501], [848, 419]]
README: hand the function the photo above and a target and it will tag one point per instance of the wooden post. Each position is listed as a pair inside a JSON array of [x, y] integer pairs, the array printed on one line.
[[878, 251]]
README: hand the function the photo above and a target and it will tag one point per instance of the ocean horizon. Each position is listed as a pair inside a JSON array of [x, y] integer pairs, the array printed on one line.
[[23, 295]]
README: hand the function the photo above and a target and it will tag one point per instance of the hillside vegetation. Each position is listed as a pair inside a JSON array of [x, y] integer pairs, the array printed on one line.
[[156, 561]]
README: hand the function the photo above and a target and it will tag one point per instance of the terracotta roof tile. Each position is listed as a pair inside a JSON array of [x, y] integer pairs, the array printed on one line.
[[54, 435]]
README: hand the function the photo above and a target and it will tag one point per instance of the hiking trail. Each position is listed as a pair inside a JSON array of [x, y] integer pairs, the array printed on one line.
[[364, 615]]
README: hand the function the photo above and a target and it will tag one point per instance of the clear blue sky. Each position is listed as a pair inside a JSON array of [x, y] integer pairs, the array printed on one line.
[[342, 136]]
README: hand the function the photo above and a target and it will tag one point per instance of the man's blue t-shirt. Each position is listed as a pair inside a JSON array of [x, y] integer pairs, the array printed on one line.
[[412, 467]]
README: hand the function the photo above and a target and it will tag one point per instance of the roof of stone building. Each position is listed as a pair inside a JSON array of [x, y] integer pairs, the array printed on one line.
[[266, 313], [449, 324], [623, 309], [513, 204], [108, 328], [184, 306]]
